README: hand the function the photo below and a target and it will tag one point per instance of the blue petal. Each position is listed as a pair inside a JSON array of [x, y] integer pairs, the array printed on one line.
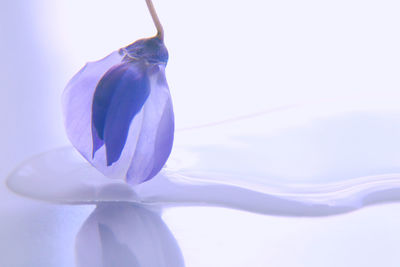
[[119, 96], [101, 103]]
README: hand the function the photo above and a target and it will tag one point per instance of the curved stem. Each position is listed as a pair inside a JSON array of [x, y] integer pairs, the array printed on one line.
[[156, 20]]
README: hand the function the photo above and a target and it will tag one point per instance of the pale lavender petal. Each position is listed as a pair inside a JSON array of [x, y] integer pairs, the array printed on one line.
[[164, 139], [126, 235], [157, 133], [77, 102], [77, 107]]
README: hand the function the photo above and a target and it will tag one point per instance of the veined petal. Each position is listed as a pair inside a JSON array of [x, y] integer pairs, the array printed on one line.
[[157, 133], [164, 139], [119, 96], [77, 102]]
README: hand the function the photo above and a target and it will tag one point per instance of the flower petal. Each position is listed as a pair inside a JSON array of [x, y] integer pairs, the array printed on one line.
[[164, 139], [77, 102], [119, 96], [157, 133]]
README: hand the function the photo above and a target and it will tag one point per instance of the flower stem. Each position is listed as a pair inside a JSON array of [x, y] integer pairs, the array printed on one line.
[[156, 20]]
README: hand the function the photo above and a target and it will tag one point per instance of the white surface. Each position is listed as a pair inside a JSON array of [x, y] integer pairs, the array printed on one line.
[[316, 160], [249, 56], [217, 237]]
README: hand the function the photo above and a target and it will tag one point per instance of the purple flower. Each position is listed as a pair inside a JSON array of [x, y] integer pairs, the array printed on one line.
[[118, 111]]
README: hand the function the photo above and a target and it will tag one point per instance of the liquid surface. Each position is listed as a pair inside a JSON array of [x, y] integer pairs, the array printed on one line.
[[299, 161]]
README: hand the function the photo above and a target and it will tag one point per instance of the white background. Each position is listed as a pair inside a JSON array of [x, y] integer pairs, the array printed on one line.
[[227, 58]]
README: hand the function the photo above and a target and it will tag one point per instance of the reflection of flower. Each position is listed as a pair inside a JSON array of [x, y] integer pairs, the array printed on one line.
[[118, 111], [126, 235]]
